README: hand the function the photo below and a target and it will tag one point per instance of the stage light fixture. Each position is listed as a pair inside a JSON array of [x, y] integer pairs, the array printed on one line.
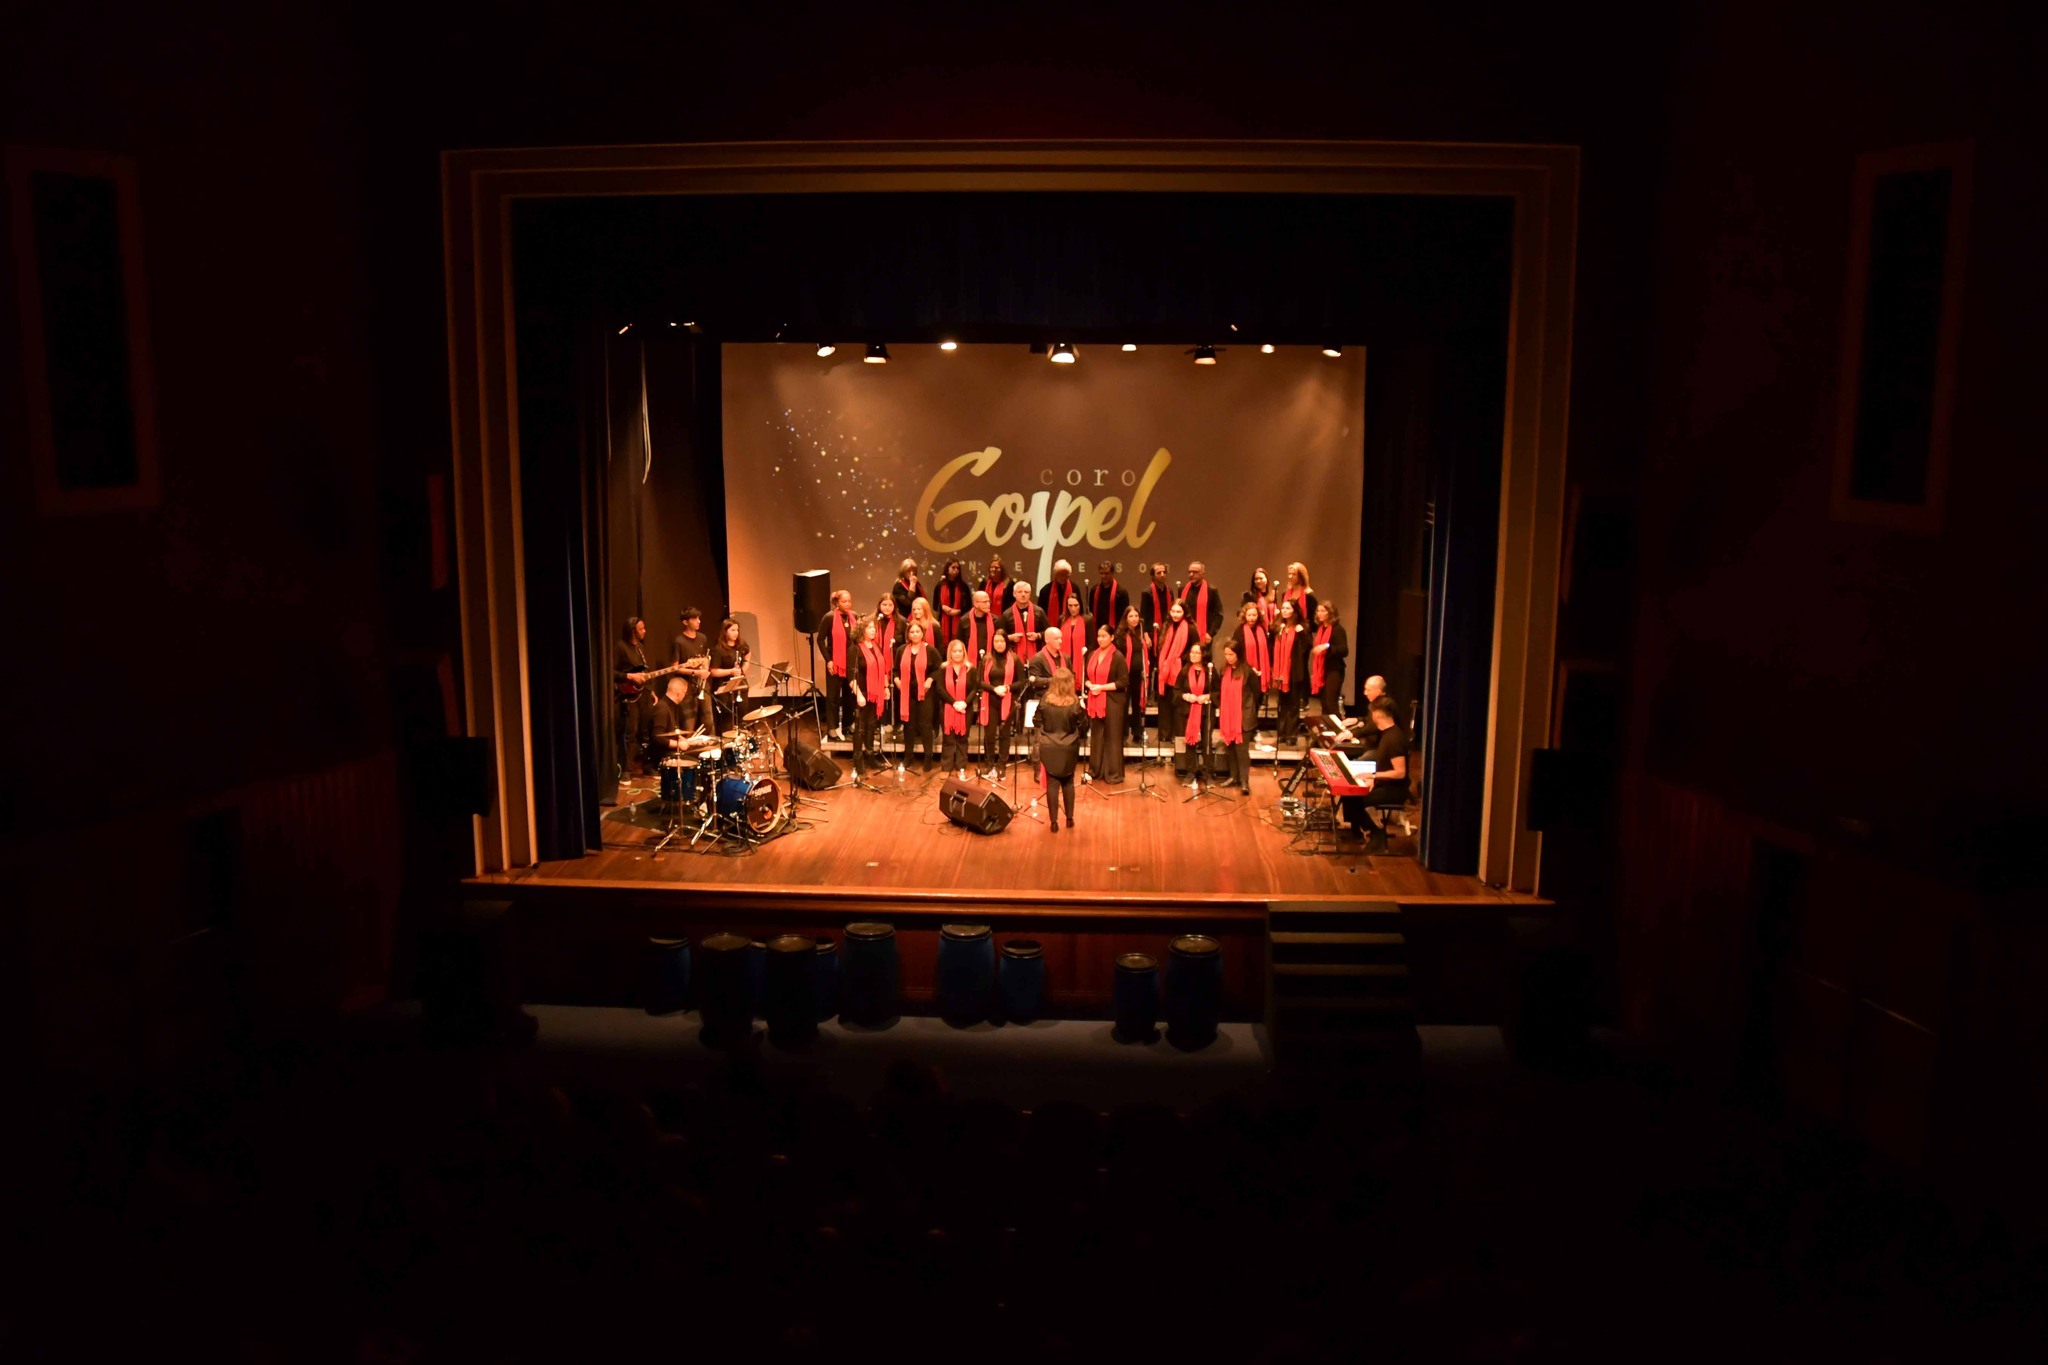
[[627, 328], [825, 348], [949, 345], [1130, 345], [1063, 354], [1266, 348], [878, 354], [1333, 351], [1205, 355]]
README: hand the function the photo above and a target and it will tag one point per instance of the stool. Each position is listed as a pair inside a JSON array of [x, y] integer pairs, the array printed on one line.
[[1137, 997], [1194, 990], [790, 991], [668, 973], [722, 989], [825, 984], [1023, 980], [967, 972], [871, 977]]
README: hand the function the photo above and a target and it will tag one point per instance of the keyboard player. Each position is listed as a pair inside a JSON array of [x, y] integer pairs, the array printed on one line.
[[1387, 787]]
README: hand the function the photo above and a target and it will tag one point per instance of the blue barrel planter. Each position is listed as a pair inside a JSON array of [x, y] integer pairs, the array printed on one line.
[[668, 975], [825, 984], [1137, 997], [967, 972], [1194, 990], [722, 989], [757, 974], [790, 992], [1023, 980], [871, 974]]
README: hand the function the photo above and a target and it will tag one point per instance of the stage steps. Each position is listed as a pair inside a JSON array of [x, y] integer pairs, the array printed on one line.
[[1337, 985]]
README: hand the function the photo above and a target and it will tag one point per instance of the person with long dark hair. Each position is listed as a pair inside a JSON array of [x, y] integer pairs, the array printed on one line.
[[1108, 680], [1290, 670], [870, 685], [1059, 738], [629, 672], [1262, 595], [996, 583], [956, 688], [1328, 649], [1135, 647], [951, 601], [1169, 660], [728, 661], [1196, 703], [917, 680], [1237, 709], [999, 702], [1255, 652]]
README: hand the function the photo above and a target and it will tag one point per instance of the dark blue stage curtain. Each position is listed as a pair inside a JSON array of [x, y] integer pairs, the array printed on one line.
[[563, 508], [1464, 551]]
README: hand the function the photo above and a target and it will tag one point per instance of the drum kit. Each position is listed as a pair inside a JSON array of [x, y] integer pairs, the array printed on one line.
[[723, 786]]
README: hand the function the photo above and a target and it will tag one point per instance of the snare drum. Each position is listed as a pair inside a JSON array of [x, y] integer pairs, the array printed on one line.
[[679, 780]]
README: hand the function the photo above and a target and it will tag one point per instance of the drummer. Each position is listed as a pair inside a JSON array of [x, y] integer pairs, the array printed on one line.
[[674, 710]]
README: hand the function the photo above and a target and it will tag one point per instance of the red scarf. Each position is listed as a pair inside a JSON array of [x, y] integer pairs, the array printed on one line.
[[956, 690], [1158, 606], [913, 694], [952, 593], [1315, 660], [1098, 672], [887, 634], [1057, 596], [1299, 596], [1054, 662], [1009, 684], [1283, 657], [1200, 613], [1197, 684], [1102, 605], [997, 580], [839, 627], [977, 633], [1230, 720], [1173, 642], [1267, 610], [1258, 653], [1022, 619], [875, 664]]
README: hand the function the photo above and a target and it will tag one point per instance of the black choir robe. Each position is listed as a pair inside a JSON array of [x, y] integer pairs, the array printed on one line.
[[951, 592], [1107, 603], [1153, 599]]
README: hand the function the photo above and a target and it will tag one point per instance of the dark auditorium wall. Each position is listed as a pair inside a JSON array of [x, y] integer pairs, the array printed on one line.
[[1836, 741], [197, 821]]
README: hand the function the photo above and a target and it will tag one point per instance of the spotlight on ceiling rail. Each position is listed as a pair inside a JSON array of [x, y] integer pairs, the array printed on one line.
[[1333, 352], [1204, 355], [949, 345], [1266, 348], [825, 348], [878, 354], [1130, 345], [1063, 354]]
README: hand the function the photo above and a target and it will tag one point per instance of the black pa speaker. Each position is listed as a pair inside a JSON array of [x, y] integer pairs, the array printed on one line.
[[813, 769], [981, 810], [811, 593]]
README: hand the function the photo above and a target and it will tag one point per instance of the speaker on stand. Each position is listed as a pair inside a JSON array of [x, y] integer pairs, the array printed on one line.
[[810, 603]]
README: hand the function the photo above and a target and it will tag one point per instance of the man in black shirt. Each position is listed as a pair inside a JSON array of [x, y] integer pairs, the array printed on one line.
[[1390, 772], [692, 646]]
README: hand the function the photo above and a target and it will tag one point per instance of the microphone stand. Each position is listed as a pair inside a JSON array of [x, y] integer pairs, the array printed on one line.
[[1024, 708], [1143, 787], [1200, 752], [797, 799]]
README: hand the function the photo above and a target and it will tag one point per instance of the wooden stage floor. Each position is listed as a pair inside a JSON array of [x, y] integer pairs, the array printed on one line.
[[1226, 850]]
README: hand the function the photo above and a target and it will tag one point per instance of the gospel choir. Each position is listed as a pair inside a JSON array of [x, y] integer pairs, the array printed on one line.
[[934, 666]]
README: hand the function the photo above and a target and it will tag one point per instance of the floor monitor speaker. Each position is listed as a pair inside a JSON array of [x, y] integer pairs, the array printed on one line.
[[981, 809]]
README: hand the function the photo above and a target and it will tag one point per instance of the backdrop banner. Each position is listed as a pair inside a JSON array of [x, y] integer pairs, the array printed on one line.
[[1125, 457]]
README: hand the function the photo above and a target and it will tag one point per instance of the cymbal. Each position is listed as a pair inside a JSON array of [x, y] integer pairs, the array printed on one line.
[[729, 737], [760, 713], [672, 734]]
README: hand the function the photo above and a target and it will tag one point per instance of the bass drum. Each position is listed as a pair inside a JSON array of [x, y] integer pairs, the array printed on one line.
[[756, 802]]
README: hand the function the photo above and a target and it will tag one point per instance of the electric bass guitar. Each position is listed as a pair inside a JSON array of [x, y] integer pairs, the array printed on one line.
[[696, 668]]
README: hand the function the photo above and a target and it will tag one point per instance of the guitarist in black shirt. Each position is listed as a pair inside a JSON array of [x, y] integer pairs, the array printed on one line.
[[629, 671]]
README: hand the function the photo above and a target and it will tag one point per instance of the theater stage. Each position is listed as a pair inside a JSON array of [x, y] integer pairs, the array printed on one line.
[[1221, 849]]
